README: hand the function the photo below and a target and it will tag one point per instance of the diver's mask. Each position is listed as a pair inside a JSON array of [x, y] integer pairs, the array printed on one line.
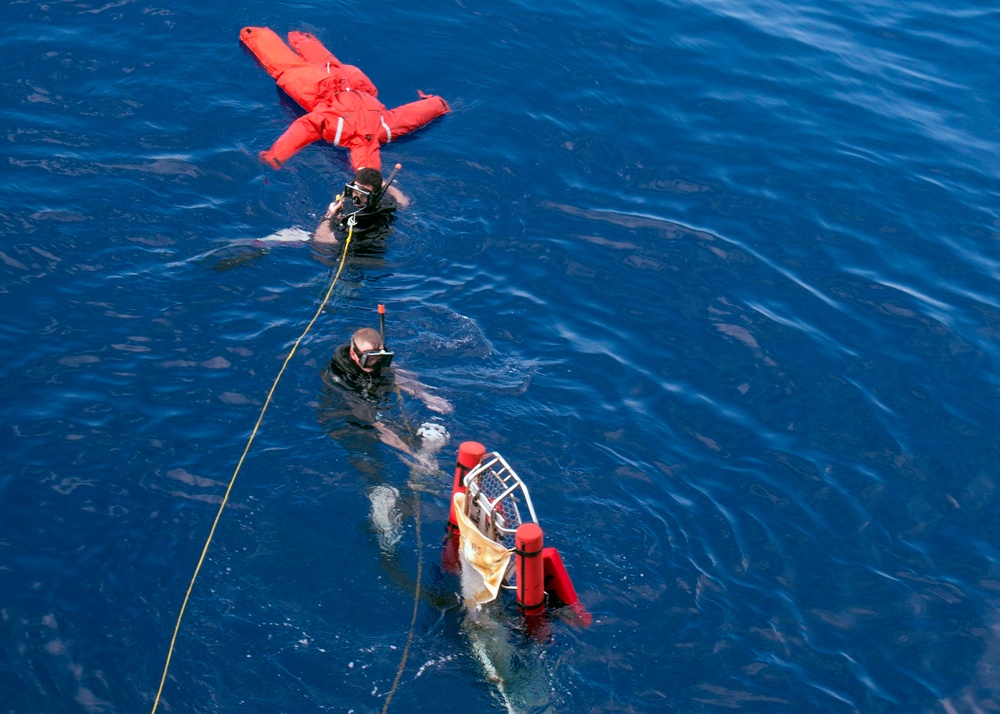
[[361, 197], [372, 359]]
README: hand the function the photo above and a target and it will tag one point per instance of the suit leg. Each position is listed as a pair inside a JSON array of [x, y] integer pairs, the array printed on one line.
[[313, 51], [270, 50]]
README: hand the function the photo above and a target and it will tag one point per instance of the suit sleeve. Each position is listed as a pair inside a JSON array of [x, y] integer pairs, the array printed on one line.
[[302, 132]]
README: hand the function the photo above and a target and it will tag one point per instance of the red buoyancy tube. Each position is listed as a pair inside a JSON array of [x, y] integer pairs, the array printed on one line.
[[558, 583], [530, 569], [470, 453]]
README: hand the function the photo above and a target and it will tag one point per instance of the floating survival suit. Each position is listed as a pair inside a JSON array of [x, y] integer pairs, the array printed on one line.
[[342, 103]]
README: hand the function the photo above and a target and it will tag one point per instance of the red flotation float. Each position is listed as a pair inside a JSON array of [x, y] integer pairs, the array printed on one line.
[[342, 103], [490, 498]]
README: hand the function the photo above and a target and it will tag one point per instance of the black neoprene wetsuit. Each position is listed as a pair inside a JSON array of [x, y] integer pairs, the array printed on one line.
[[349, 374], [372, 225], [352, 404]]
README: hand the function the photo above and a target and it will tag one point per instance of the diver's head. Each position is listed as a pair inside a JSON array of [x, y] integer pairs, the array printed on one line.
[[369, 177], [364, 188], [368, 350]]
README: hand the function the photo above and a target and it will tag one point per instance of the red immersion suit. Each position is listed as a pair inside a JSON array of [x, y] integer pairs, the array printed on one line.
[[342, 102]]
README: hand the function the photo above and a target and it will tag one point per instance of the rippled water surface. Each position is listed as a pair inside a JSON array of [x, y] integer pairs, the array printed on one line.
[[718, 279]]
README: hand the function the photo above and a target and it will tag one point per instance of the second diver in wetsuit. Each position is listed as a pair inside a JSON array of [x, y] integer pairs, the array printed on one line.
[[366, 210], [356, 406]]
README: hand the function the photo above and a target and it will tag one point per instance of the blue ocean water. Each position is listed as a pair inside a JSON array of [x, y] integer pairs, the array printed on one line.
[[718, 279]]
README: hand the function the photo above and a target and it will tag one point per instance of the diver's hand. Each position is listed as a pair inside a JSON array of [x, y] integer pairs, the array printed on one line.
[[437, 404], [334, 208]]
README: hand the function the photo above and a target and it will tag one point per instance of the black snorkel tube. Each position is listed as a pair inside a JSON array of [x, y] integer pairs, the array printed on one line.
[[385, 186], [381, 323]]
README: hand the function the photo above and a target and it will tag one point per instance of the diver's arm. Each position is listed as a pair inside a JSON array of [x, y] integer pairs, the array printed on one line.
[[324, 232], [400, 197], [407, 382]]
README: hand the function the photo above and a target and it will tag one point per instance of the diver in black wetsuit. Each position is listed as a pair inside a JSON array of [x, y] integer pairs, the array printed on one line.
[[369, 204], [357, 409], [361, 368]]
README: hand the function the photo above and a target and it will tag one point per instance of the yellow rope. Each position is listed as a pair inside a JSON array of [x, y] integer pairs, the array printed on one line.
[[416, 605], [239, 465], [420, 567]]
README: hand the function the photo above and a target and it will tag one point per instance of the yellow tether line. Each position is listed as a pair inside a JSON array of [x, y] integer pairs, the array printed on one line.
[[416, 605], [420, 567], [253, 434]]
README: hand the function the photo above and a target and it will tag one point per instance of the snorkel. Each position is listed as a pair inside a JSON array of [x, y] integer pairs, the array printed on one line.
[[383, 356], [385, 184]]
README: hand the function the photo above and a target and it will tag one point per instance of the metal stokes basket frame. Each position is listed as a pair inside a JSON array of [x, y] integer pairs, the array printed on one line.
[[497, 501]]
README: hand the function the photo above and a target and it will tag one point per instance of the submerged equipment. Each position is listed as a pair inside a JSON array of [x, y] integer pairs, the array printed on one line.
[[492, 518]]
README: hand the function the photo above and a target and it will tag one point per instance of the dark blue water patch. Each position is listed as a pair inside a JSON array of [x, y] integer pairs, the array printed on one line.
[[716, 278]]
